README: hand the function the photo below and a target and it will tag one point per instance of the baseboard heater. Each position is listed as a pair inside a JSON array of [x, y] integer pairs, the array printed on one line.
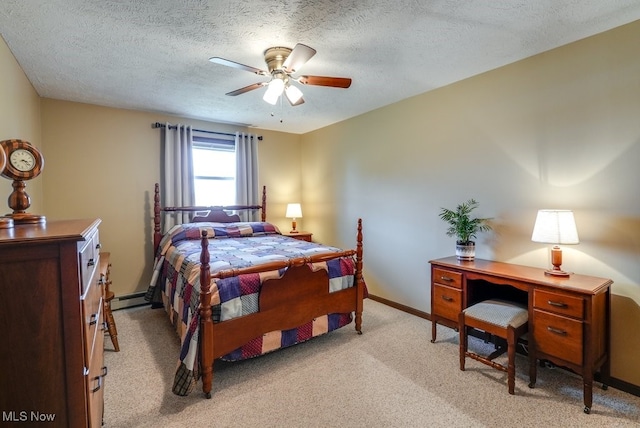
[[128, 301]]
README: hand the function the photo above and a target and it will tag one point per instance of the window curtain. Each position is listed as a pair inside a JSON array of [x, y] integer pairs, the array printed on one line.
[[177, 173], [247, 174]]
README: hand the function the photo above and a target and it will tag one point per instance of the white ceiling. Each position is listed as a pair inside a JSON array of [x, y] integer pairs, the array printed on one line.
[[152, 55]]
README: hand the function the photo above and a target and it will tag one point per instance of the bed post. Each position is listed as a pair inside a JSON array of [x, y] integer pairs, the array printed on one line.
[[156, 220], [264, 203], [359, 279], [206, 323]]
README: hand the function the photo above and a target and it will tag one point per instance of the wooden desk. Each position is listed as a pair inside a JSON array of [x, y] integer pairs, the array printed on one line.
[[569, 318]]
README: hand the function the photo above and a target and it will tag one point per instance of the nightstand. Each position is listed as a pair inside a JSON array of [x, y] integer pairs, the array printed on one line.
[[301, 235]]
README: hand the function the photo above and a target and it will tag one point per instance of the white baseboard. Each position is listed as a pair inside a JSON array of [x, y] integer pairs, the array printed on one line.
[[128, 301]]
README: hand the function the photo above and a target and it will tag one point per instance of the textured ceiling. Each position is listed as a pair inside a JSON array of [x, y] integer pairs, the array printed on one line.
[[152, 55]]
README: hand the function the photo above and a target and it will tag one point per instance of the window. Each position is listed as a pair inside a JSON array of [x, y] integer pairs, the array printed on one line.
[[214, 171]]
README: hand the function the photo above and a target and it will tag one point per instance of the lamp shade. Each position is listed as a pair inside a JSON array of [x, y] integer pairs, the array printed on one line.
[[275, 88], [293, 211], [293, 94], [555, 227]]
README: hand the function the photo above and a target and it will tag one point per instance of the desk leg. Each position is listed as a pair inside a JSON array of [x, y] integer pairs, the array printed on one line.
[[533, 367], [433, 330], [605, 374], [588, 392]]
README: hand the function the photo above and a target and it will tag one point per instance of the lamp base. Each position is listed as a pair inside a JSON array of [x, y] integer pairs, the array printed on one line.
[[27, 218], [294, 231], [555, 272]]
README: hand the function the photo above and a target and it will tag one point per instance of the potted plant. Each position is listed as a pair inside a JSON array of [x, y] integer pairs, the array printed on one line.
[[464, 228]]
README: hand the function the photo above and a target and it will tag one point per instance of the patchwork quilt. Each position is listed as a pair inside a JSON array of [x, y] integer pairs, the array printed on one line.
[[175, 285]]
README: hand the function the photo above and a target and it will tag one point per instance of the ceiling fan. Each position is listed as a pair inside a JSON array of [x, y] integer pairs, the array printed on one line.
[[282, 63]]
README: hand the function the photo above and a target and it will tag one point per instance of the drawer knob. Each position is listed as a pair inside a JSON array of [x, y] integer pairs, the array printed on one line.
[[97, 388], [447, 299], [99, 379], [557, 331], [93, 319], [558, 304], [446, 278]]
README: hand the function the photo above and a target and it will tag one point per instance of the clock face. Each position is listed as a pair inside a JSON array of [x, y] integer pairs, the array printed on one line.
[[22, 160]]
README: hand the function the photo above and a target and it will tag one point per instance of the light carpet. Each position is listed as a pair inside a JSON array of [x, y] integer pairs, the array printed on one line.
[[391, 376]]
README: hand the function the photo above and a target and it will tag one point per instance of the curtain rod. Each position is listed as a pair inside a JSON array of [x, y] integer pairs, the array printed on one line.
[[162, 125]]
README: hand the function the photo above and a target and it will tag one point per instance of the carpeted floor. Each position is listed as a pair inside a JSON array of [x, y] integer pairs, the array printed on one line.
[[391, 376]]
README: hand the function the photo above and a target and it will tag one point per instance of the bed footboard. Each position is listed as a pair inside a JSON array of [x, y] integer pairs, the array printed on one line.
[[309, 290]]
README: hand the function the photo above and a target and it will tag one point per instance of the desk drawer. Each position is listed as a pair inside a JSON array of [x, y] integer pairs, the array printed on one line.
[[558, 336], [571, 306], [447, 302], [447, 277]]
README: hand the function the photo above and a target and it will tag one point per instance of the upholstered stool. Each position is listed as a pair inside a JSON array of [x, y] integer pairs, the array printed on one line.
[[105, 274], [500, 318]]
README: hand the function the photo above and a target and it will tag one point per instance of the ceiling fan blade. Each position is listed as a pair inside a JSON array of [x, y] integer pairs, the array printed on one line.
[[335, 82], [246, 89], [229, 63], [298, 57]]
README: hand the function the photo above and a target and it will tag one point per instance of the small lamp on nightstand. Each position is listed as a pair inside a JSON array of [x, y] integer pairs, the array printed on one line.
[[294, 211], [555, 227]]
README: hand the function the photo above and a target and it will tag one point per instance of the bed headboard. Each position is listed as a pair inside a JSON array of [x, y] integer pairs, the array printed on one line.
[[215, 214], [218, 214]]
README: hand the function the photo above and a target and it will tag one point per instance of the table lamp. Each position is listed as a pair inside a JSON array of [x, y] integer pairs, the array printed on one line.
[[555, 227], [294, 211]]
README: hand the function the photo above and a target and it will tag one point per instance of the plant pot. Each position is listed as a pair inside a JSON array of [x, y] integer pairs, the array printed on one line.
[[466, 251]]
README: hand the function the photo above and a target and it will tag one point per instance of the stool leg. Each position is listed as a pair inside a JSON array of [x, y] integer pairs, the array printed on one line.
[[511, 359], [463, 340], [111, 327]]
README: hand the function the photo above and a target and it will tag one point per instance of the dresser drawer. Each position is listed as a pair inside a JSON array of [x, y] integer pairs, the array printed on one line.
[[93, 316], [447, 277], [95, 382], [89, 254], [571, 306], [447, 302], [558, 336]]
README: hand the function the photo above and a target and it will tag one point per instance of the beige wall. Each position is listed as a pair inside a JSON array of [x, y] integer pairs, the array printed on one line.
[[19, 119], [558, 130]]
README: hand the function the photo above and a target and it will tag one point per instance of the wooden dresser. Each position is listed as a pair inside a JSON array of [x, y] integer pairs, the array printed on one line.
[[569, 318], [51, 319]]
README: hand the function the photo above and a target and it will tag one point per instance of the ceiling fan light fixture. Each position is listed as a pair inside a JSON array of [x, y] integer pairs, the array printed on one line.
[[281, 63], [276, 86], [293, 94]]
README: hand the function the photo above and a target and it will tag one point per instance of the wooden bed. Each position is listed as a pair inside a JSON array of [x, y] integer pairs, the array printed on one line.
[[300, 295]]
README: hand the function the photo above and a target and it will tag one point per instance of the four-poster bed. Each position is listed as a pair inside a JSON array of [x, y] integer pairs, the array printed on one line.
[[236, 290]]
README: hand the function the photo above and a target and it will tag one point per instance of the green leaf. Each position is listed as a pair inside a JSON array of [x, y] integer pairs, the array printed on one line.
[[461, 224]]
